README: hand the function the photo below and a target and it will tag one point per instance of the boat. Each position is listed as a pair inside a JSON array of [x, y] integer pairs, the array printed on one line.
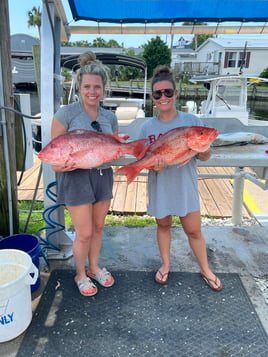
[[227, 97]]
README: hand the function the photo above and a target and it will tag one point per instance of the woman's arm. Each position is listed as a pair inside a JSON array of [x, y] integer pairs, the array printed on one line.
[[204, 156], [58, 129]]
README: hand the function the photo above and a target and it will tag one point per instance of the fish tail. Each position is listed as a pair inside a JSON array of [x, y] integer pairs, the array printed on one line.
[[136, 147], [131, 171]]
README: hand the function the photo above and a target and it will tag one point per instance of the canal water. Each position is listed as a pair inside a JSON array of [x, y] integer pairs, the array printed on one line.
[[257, 109]]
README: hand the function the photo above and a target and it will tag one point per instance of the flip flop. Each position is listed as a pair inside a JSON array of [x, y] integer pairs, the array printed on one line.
[[210, 281], [85, 284], [103, 277], [161, 281]]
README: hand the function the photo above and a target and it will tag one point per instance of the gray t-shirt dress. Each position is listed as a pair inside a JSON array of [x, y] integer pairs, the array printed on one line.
[[83, 186], [174, 190]]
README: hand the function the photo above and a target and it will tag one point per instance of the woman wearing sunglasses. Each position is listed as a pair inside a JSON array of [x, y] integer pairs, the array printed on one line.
[[87, 193], [173, 190]]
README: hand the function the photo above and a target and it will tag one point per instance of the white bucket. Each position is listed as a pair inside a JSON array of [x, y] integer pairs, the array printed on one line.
[[15, 293]]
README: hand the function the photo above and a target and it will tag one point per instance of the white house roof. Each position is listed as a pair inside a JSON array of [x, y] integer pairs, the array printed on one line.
[[237, 43]]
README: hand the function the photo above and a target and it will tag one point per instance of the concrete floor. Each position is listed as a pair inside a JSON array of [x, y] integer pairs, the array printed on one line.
[[231, 249]]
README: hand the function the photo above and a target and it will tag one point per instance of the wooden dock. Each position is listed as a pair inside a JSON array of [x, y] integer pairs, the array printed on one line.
[[216, 195]]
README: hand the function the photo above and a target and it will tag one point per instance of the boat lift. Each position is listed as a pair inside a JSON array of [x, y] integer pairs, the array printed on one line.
[[54, 29]]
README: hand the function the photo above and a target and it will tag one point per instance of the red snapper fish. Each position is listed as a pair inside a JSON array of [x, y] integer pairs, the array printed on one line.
[[87, 149], [177, 146]]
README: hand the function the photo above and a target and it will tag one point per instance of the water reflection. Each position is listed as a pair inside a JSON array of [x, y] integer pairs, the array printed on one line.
[[258, 110]]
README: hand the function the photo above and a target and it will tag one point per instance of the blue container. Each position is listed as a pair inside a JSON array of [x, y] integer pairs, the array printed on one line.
[[27, 243]]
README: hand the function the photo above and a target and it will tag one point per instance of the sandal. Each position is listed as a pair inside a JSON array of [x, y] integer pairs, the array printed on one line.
[[103, 277], [210, 281], [86, 287], [162, 280]]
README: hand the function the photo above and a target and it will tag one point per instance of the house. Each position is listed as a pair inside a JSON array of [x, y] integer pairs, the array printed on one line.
[[22, 58], [235, 55]]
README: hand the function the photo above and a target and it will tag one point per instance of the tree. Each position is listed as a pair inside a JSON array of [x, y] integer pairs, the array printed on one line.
[[99, 42], [126, 73], [66, 44], [83, 43], [34, 18], [198, 39], [264, 73], [112, 44], [156, 52]]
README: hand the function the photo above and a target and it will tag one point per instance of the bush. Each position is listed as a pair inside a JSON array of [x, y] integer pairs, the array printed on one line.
[[264, 73]]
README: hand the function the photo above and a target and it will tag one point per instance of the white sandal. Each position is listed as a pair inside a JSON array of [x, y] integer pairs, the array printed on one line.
[[102, 277], [86, 284]]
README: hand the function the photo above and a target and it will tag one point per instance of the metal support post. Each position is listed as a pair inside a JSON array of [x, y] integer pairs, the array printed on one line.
[[239, 183]]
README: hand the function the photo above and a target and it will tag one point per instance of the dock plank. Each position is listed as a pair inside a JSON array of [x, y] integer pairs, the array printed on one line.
[[216, 195], [219, 193], [141, 200], [118, 201], [131, 197]]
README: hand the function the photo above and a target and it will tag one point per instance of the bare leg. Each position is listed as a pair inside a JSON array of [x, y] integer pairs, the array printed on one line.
[[100, 210], [164, 241], [82, 221], [191, 224]]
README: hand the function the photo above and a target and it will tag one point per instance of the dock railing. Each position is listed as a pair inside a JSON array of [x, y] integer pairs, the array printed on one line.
[[254, 156]]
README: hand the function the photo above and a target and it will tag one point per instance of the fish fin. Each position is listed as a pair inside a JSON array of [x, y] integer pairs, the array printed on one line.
[[123, 137], [137, 147], [145, 149], [130, 170]]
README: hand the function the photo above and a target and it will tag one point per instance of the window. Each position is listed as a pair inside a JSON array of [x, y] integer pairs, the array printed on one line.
[[235, 59], [231, 59]]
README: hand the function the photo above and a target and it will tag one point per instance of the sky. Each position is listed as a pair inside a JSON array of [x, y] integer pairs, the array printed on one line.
[[18, 24]]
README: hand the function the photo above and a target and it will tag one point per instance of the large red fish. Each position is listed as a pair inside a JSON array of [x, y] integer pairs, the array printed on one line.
[[177, 146], [87, 149]]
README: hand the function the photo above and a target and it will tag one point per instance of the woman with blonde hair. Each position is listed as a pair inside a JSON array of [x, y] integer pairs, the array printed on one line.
[[86, 193]]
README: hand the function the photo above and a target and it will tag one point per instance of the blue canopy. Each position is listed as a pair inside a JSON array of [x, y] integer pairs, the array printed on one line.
[[169, 11]]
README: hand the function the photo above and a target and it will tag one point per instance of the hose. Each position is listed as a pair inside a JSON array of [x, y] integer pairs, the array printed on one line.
[[51, 224]]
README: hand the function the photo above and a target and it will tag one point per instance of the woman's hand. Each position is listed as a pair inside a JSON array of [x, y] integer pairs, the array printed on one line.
[[63, 168], [205, 155], [160, 164]]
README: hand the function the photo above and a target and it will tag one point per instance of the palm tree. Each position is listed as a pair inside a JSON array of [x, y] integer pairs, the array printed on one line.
[[34, 18]]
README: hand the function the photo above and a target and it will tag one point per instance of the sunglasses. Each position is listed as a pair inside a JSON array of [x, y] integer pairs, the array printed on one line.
[[169, 92], [96, 126]]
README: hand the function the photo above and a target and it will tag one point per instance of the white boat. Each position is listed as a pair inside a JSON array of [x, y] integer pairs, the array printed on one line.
[[227, 97]]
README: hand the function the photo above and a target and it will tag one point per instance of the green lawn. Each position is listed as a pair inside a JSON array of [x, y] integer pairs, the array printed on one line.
[[32, 222]]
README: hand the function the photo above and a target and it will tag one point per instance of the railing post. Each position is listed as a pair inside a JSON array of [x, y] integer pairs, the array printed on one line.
[[237, 208]]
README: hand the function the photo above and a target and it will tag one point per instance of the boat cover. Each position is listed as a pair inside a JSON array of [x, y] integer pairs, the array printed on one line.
[[169, 11]]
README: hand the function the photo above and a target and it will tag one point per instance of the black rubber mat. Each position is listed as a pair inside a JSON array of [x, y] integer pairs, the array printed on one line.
[[137, 317]]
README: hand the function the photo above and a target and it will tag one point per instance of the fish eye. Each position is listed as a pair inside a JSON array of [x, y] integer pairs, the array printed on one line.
[[52, 145]]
